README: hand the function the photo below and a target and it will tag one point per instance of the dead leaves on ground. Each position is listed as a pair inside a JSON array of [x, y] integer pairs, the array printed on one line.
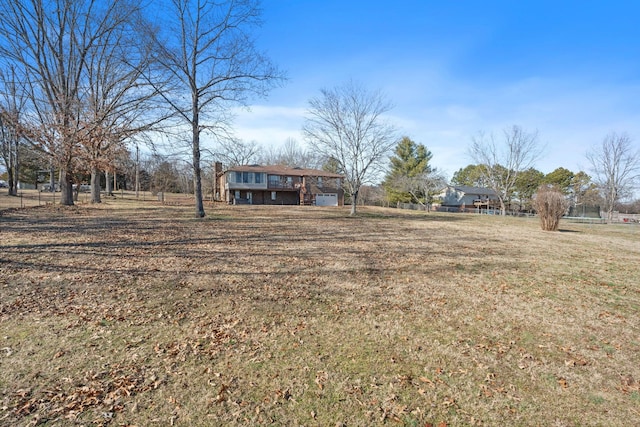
[[628, 384], [153, 290], [106, 392]]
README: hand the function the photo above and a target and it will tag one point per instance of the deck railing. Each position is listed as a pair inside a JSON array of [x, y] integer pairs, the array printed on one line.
[[273, 185]]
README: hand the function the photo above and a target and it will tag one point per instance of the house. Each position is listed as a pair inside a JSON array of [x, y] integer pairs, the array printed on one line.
[[280, 185], [468, 197]]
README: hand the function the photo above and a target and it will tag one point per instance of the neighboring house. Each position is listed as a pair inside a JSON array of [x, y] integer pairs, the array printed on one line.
[[469, 197], [280, 185]]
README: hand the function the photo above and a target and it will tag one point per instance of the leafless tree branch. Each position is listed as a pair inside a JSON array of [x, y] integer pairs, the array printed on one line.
[[616, 168], [210, 62], [347, 124], [502, 160]]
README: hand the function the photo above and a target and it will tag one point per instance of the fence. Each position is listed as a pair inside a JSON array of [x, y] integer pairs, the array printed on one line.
[[455, 209], [622, 217], [413, 206], [602, 219]]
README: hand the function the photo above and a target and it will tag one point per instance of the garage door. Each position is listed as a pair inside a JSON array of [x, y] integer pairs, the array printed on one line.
[[327, 199]]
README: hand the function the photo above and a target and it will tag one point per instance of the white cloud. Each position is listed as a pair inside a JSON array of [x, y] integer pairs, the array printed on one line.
[[269, 125]]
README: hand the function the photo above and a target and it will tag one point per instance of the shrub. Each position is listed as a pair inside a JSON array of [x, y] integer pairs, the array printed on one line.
[[550, 204]]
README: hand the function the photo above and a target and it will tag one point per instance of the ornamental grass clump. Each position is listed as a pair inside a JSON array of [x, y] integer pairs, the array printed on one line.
[[550, 204]]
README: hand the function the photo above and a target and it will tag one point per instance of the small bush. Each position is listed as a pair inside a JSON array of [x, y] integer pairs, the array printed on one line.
[[550, 205]]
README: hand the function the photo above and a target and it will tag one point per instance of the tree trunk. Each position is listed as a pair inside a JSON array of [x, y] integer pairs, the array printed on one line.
[[95, 185], [66, 188], [52, 177], [16, 171], [197, 178], [137, 171], [354, 202], [13, 172], [13, 181], [611, 202], [108, 183]]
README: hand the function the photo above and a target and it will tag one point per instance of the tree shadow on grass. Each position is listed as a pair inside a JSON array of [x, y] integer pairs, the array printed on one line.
[[152, 244], [411, 215]]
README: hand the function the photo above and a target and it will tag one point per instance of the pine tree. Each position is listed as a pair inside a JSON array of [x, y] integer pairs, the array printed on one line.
[[410, 162]]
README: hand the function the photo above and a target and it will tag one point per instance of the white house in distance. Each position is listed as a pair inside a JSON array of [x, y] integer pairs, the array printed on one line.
[[459, 196], [280, 185]]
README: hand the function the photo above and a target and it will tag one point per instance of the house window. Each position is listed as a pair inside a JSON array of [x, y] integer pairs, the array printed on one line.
[[245, 177], [274, 180], [237, 194], [250, 197], [258, 178], [273, 195], [319, 181], [238, 177]]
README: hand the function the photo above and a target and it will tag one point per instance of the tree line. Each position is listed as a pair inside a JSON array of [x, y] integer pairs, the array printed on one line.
[[82, 82], [410, 177], [505, 164]]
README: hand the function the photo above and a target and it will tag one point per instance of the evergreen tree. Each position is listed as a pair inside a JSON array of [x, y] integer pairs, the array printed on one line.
[[471, 175], [561, 178], [527, 184], [409, 163]]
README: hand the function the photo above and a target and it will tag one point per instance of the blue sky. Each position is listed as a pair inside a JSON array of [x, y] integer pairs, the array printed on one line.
[[568, 69]]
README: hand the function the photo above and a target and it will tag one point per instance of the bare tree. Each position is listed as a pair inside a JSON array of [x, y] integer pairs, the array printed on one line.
[[234, 152], [9, 152], [616, 168], [431, 183], [291, 154], [11, 104], [501, 161], [211, 61], [51, 41], [372, 195], [118, 101], [270, 155], [347, 124], [294, 155], [422, 187]]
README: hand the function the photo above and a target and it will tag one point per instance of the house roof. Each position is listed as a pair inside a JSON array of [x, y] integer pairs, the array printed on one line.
[[284, 170], [481, 191]]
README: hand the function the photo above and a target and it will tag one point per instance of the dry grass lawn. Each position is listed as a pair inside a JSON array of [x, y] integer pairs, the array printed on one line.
[[132, 313]]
